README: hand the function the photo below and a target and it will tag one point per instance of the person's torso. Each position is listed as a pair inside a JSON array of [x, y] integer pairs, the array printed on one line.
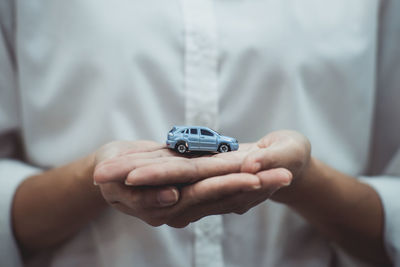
[[94, 71]]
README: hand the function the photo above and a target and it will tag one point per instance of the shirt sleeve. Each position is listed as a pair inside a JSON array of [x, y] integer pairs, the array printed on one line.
[[385, 159], [12, 171]]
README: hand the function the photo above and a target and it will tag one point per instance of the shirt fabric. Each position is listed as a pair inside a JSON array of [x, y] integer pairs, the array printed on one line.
[[77, 74]]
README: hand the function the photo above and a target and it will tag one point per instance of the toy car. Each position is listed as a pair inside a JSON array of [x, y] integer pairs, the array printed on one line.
[[198, 138]]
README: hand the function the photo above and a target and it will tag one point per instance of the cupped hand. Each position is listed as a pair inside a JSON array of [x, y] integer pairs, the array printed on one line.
[[155, 203], [281, 149], [115, 160], [213, 183], [229, 182]]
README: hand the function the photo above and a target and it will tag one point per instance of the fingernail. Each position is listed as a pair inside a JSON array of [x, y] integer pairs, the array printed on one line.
[[288, 176], [252, 188], [95, 183], [256, 187], [167, 197], [128, 183]]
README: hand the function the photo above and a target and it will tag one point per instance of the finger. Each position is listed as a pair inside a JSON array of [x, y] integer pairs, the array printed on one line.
[[167, 196], [239, 203], [215, 188], [140, 198], [211, 190], [182, 171], [203, 201], [117, 148], [155, 153], [116, 169], [143, 146], [273, 156], [287, 149], [258, 160], [219, 187]]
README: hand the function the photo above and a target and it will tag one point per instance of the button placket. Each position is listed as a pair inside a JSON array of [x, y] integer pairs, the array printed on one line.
[[201, 108], [201, 88]]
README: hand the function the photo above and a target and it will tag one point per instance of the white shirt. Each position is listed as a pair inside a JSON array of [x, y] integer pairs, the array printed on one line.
[[77, 74]]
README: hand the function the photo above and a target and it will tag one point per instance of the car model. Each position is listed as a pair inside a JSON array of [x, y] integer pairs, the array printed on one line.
[[199, 138]]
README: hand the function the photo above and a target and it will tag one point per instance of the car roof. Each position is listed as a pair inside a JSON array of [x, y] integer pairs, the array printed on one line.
[[195, 126]]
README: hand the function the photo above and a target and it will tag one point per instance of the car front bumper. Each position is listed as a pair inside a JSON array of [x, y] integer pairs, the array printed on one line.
[[234, 146], [170, 144]]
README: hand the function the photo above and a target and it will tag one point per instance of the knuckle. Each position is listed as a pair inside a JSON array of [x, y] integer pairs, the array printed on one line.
[[270, 159], [135, 200], [192, 194], [223, 208], [155, 219], [297, 163], [298, 148], [178, 223], [241, 210], [158, 216], [109, 190], [154, 223], [195, 170]]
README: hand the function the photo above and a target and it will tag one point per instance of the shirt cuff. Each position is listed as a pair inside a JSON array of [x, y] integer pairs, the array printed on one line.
[[388, 189], [12, 173]]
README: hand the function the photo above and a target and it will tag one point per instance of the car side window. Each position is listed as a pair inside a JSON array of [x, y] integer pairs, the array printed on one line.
[[193, 131], [182, 131], [186, 131], [205, 132]]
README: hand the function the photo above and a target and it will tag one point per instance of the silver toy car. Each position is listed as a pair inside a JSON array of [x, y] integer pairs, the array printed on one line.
[[198, 138]]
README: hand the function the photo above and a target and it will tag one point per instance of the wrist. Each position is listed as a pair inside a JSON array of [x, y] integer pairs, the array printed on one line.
[[84, 177], [52, 206]]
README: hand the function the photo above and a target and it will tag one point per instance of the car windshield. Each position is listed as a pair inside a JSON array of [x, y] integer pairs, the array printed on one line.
[[206, 132], [214, 131], [172, 130]]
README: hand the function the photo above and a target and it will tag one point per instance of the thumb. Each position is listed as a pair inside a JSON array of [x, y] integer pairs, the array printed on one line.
[[259, 160]]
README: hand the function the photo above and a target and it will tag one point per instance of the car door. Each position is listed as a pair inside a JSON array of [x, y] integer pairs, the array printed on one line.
[[208, 140], [193, 139], [185, 135]]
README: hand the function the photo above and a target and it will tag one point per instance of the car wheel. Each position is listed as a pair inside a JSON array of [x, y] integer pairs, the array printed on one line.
[[223, 148], [181, 148]]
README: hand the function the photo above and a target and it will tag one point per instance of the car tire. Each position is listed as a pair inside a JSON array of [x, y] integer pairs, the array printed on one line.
[[181, 147], [224, 148]]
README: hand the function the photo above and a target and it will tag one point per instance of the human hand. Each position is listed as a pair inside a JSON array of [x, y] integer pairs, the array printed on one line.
[[115, 160], [281, 149], [286, 149], [236, 181]]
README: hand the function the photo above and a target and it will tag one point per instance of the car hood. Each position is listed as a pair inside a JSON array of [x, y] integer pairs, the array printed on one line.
[[227, 138]]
